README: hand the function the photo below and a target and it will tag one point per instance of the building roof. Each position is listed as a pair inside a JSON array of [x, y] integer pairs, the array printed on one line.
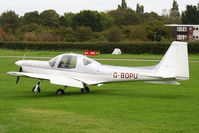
[[182, 25]]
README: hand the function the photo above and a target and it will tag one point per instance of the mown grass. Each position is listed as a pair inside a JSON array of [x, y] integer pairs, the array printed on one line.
[[6, 52], [130, 107]]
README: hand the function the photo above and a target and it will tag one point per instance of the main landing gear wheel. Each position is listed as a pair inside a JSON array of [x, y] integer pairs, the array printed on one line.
[[85, 90], [36, 89], [60, 92]]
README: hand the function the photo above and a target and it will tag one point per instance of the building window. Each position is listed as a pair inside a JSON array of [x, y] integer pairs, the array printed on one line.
[[181, 37], [181, 28], [195, 37]]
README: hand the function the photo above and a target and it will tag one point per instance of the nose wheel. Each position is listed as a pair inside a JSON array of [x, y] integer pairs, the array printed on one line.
[[36, 88]]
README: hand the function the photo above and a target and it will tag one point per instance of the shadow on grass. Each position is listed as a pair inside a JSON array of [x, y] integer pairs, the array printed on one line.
[[139, 94], [104, 93]]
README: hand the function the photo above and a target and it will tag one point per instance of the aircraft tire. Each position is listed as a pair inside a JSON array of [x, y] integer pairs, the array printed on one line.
[[85, 90], [36, 89], [60, 92]]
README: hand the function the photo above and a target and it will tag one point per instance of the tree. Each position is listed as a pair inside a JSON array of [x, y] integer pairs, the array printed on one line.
[[31, 17], [128, 17], [198, 6], [62, 21], [49, 18], [174, 15], [9, 17], [175, 6], [106, 21], [123, 6], [156, 30], [88, 18], [10, 21], [190, 15], [139, 9], [69, 18]]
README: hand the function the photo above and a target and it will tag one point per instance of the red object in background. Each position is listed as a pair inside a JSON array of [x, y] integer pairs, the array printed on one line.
[[90, 53]]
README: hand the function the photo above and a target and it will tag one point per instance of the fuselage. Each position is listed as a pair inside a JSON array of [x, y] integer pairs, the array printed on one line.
[[90, 72]]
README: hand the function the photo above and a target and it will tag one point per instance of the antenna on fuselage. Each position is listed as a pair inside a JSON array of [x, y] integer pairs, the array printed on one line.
[[24, 56], [20, 69]]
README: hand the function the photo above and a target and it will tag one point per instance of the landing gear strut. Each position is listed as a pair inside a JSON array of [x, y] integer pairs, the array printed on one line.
[[36, 88], [85, 89]]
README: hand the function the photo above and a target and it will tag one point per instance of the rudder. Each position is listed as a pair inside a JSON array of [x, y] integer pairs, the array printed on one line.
[[175, 62]]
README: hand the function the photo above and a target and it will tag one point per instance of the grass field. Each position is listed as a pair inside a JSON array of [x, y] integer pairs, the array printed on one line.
[[5, 52], [113, 108]]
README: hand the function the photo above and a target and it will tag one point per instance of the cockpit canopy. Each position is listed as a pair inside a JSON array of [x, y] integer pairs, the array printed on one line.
[[69, 61]]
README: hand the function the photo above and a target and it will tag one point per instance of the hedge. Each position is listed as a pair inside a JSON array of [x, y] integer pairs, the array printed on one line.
[[102, 47]]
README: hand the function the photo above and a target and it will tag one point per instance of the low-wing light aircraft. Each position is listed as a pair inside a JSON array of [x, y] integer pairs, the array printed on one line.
[[79, 71]]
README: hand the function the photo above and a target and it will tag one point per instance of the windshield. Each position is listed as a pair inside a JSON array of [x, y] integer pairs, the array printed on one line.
[[53, 61]]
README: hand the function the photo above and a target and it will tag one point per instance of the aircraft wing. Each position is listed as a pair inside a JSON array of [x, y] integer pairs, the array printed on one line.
[[58, 80], [66, 81], [31, 75]]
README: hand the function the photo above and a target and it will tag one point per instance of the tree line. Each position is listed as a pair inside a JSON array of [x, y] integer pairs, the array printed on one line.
[[121, 24]]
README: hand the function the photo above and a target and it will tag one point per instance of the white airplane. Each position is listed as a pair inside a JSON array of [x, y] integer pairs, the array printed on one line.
[[79, 71]]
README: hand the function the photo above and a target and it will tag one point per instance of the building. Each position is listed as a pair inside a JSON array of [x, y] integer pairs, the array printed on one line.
[[183, 32]]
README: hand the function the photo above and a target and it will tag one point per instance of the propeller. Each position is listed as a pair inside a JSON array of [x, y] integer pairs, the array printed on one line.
[[20, 70]]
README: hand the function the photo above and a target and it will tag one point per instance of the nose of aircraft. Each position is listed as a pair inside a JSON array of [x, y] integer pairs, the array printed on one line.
[[18, 63]]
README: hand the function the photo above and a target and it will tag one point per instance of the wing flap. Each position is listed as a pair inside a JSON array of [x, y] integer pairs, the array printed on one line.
[[60, 80]]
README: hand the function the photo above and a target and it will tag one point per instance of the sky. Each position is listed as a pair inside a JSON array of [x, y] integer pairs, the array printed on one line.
[[62, 6]]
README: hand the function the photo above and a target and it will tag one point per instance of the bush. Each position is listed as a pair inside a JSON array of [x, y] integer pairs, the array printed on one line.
[[31, 28], [47, 37], [135, 32], [103, 47], [30, 37], [114, 34], [42, 37], [83, 33], [66, 34], [9, 37]]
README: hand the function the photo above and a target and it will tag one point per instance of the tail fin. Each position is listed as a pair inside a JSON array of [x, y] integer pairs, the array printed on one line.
[[175, 62]]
